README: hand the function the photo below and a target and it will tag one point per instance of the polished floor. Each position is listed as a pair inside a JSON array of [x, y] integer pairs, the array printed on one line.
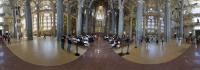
[[100, 57], [153, 53], [45, 52]]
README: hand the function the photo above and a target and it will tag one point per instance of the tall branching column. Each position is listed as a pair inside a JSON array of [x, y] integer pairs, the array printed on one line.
[[54, 20], [79, 21], [60, 18], [167, 21], [121, 18], [68, 19], [181, 19], [14, 21], [113, 22], [38, 17], [28, 18], [86, 21], [130, 27], [139, 22]]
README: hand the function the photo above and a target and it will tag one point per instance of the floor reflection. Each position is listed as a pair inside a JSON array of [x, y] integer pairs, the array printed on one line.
[[2, 60], [153, 53], [45, 52]]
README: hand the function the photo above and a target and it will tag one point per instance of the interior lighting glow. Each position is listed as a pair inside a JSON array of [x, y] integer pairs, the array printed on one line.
[[195, 10], [1, 2], [100, 13], [1, 10], [195, 19], [197, 28], [1, 27], [1, 19]]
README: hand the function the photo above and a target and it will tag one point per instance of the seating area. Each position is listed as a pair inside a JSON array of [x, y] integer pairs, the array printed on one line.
[[82, 40], [116, 42]]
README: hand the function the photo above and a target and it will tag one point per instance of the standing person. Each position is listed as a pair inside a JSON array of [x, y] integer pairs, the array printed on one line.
[[162, 41], [8, 38], [63, 42], [69, 40], [44, 36], [157, 41], [5, 37]]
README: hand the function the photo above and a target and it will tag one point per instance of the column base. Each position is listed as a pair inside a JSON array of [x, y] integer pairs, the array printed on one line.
[[77, 54], [121, 54], [127, 53]]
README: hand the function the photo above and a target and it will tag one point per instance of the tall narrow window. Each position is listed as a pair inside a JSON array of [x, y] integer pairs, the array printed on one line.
[[1, 19], [161, 25], [1, 10], [151, 24]]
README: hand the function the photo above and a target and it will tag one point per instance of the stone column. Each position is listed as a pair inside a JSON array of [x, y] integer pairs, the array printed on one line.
[[108, 23], [181, 19], [113, 22], [167, 21], [68, 19], [86, 21], [54, 20], [14, 22], [121, 18], [139, 22], [79, 21], [60, 18], [130, 27], [42, 25], [28, 17], [51, 24], [38, 18], [69, 25]]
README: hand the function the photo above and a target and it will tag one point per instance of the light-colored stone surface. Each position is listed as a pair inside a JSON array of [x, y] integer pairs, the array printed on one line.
[[45, 52], [155, 53]]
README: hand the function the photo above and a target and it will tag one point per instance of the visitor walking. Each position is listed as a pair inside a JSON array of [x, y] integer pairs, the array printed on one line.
[[44, 36], [63, 42], [8, 39], [69, 40], [162, 42]]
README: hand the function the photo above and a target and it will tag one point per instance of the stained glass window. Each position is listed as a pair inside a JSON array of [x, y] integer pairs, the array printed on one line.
[[1, 19], [161, 25], [151, 24], [1, 10]]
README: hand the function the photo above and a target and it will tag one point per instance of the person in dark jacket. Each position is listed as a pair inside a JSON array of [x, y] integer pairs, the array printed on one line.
[[69, 41], [63, 42]]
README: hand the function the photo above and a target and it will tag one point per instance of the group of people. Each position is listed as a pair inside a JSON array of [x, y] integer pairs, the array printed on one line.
[[149, 39], [198, 39], [5, 38], [82, 40], [115, 41]]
